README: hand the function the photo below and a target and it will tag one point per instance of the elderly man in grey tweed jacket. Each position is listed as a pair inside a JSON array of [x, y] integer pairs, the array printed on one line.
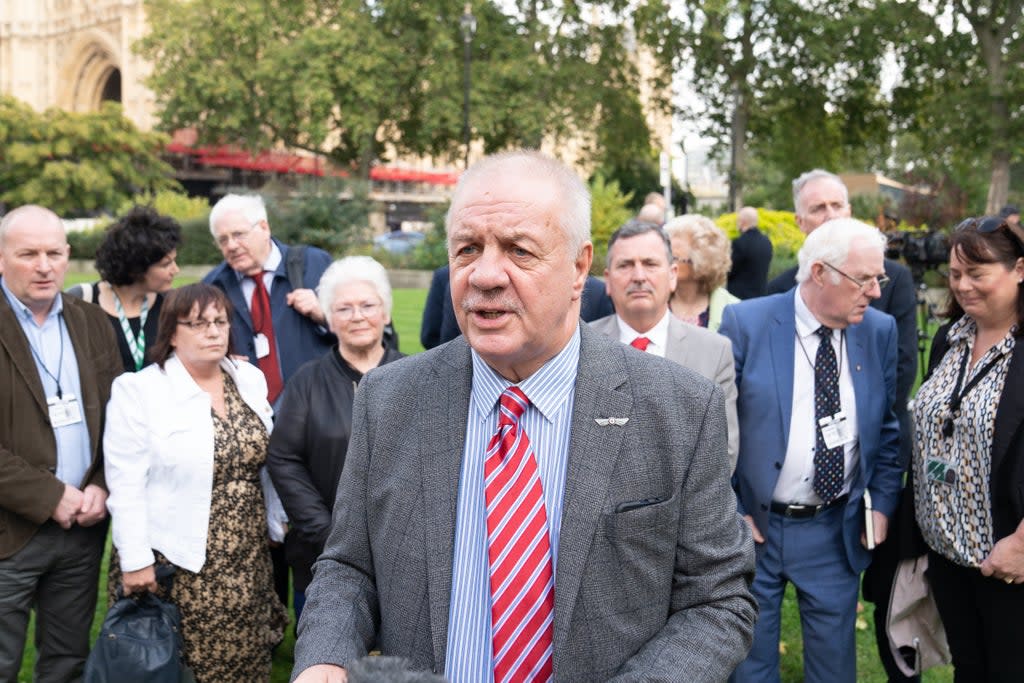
[[633, 564]]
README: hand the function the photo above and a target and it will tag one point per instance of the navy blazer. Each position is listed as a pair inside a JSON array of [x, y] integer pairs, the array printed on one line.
[[763, 343], [299, 339]]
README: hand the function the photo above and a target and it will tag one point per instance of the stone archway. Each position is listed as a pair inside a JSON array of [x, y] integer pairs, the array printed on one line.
[[91, 74]]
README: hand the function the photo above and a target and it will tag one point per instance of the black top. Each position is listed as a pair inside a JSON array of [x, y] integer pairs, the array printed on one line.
[[307, 452], [152, 320], [751, 256]]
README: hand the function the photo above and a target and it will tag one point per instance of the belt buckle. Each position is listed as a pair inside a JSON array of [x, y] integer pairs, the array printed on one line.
[[797, 510]]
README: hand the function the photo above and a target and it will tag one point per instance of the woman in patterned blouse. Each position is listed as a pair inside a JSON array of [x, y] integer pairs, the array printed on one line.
[[968, 465]]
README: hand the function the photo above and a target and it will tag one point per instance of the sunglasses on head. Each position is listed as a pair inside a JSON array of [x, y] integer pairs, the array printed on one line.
[[982, 224], [988, 224]]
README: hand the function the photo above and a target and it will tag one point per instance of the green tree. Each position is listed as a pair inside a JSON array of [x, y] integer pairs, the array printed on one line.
[[794, 84], [76, 164], [961, 86], [358, 80]]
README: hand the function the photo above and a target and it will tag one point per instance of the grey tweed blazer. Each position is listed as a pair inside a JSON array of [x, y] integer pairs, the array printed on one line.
[[703, 351], [654, 593]]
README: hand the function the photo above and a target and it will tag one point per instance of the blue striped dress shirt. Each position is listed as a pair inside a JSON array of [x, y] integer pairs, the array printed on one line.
[[548, 422], [53, 351]]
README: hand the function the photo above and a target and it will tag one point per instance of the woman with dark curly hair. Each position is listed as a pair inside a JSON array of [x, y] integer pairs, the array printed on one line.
[[136, 262]]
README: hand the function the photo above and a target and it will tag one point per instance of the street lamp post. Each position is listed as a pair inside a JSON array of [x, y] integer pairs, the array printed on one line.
[[468, 25]]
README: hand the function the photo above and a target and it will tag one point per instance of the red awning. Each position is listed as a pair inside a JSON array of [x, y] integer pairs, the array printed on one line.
[[227, 156]]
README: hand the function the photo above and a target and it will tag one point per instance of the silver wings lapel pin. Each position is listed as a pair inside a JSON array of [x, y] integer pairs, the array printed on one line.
[[611, 421]]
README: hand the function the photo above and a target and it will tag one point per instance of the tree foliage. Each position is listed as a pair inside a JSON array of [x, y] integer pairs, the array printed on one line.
[[361, 80], [796, 84], [961, 88], [76, 164]]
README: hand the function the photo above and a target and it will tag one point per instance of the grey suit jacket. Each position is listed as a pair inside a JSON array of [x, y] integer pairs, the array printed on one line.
[[652, 594], [704, 352]]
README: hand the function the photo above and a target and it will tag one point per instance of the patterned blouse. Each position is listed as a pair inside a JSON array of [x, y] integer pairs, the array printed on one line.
[[953, 451]]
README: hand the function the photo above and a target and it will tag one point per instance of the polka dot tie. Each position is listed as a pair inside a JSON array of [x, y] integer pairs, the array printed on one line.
[[828, 462]]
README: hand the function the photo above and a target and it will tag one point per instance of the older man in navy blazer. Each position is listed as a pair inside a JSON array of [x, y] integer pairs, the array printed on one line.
[[816, 375]]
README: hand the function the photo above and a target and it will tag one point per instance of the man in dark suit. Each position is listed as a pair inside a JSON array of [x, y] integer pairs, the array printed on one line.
[[819, 196], [640, 277], [58, 357], [532, 443], [751, 256], [816, 375], [296, 332], [439, 324]]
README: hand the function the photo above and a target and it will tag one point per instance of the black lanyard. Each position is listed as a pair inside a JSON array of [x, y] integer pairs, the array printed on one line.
[[60, 358], [957, 397]]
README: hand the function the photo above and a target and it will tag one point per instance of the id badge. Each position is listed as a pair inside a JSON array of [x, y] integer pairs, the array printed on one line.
[[262, 345], [64, 411], [941, 471], [835, 430]]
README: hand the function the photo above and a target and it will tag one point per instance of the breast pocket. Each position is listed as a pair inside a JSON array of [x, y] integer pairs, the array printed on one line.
[[641, 549]]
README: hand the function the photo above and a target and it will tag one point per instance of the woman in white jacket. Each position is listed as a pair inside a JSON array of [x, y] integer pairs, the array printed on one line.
[[184, 452]]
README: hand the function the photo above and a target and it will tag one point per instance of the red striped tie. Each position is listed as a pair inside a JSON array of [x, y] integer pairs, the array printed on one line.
[[519, 551]]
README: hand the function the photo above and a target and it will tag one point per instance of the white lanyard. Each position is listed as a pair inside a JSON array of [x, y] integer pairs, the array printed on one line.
[[136, 345]]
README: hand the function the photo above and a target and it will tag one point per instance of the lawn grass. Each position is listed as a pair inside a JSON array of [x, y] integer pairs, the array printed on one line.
[[407, 312]]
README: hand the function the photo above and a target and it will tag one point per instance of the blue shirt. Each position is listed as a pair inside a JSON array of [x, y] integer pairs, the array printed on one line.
[[548, 422], [46, 342]]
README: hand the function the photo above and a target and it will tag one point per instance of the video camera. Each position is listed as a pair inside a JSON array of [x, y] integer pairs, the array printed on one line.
[[921, 250]]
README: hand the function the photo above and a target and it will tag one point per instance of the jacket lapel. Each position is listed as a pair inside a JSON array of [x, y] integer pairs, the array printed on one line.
[[857, 354], [442, 429], [1010, 412], [90, 399], [13, 339], [601, 391], [677, 349], [233, 288], [782, 340]]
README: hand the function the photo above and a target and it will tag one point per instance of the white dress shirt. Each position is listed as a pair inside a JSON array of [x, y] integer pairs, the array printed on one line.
[[796, 480], [657, 334]]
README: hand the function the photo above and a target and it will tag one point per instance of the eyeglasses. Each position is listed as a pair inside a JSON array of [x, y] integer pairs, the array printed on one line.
[[865, 284], [236, 236], [220, 324], [349, 312]]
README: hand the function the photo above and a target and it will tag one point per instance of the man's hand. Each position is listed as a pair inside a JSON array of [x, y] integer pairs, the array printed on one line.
[[758, 538], [67, 509], [1006, 561], [139, 581], [94, 506], [881, 524], [305, 302], [323, 673]]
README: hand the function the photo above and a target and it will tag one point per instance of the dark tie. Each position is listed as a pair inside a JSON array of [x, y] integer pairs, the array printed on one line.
[[263, 323], [518, 551], [640, 343], [828, 462]]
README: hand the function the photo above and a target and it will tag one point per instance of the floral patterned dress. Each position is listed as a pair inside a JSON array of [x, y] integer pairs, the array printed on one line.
[[231, 619]]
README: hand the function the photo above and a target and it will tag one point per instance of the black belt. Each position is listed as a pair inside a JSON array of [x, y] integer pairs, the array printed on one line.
[[804, 511]]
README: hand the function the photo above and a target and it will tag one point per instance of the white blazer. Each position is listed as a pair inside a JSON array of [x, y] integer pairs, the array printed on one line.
[[158, 460]]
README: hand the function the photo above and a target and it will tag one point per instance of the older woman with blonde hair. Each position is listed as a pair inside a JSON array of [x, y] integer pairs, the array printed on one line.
[[702, 253], [314, 420]]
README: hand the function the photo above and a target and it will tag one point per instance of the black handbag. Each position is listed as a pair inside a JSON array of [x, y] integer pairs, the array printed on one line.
[[140, 640]]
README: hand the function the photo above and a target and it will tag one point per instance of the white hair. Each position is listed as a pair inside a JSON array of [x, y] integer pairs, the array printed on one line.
[[573, 196], [816, 174], [831, 243], [249, 205], [353, 269], [41, 214]]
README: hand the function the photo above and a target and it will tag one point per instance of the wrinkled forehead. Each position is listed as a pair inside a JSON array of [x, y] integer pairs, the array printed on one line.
[[502, 195]]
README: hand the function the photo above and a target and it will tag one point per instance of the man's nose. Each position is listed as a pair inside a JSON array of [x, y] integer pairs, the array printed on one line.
[[489, 270]]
